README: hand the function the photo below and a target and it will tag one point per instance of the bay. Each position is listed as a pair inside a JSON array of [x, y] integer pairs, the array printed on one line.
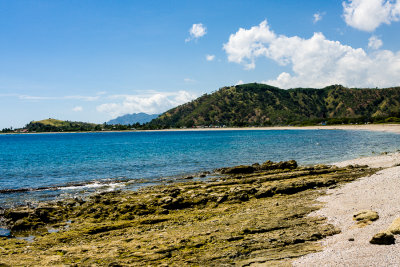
[[66, 162]]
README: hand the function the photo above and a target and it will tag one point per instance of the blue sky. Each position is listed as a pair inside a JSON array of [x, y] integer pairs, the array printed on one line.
[[94, 60]]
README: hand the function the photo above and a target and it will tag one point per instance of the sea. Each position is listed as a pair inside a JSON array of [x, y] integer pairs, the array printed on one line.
[[42, 167]]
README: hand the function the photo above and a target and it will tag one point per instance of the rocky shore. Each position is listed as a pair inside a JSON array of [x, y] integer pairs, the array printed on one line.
[[249, 215]]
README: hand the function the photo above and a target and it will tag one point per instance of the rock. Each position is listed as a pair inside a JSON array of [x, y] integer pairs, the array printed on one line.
[[394, 228], [264, 192], [269, 165], [383, 239], [365, 217], [25, 224], [239, 169], [18, 213]]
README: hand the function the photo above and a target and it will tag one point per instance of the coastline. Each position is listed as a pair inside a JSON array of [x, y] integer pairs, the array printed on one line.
[[333, 252], [252, 214], [391, 128]]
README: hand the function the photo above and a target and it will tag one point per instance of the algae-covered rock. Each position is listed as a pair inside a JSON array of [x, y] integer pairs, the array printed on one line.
[[216, 222], [18, 213], [383, 238], [394, 228], [269, 165], [365, 217]]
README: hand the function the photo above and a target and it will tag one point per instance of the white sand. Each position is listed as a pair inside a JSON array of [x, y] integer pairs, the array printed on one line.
[[393, 128], [379, 192]]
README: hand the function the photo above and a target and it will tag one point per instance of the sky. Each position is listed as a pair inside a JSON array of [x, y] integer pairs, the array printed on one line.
[[95, 60]]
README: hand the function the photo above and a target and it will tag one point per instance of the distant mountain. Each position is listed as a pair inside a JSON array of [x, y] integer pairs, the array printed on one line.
[[133, 118], [259, 104]]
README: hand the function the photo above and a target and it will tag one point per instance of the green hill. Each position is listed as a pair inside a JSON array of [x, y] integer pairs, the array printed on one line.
[[54, 125], [262, 105]]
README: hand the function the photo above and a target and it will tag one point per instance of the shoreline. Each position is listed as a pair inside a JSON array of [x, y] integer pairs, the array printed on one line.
[[336, 250], [391, 128], [379, 193], [240, 218]]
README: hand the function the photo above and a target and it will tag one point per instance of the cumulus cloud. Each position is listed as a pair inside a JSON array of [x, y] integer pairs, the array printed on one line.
[[77, 109], [239, 82], [318, 16], [246, 45], [314, 62], [153, 103], [367, 15], [210, 57], [198, 30], [374, 42]]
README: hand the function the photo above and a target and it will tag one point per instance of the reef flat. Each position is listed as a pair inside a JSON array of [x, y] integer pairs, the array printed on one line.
[[249, 215]]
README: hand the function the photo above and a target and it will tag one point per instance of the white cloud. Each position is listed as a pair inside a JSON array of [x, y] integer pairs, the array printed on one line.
[[367, 15], [318, 16], [210, 57], [189, 80], [77, 109], [198, 30], [314, 62], [246, 45], [374, 42], [239, 82], [153, 103]]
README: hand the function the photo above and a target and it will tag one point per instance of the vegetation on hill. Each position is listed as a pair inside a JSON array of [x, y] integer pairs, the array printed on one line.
[[53, 125], [263, 105]]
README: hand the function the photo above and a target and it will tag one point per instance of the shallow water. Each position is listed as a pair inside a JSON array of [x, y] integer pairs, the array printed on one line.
[[74, 162]]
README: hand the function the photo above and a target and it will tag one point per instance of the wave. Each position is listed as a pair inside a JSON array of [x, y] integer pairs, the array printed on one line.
[[70, 186]]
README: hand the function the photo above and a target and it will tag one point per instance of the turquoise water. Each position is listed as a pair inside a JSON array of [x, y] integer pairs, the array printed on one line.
[[41, 166]]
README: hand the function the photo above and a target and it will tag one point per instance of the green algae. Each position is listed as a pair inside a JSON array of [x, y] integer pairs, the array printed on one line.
[[239, 219]]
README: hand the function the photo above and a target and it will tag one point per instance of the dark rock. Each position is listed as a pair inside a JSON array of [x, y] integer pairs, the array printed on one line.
[[25, 224], [238, 169], [18, 213], [383, 239], [264, 192]]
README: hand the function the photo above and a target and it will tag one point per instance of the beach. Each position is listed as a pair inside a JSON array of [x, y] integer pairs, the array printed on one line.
[[390, 128], [379, 193], [262, 214]]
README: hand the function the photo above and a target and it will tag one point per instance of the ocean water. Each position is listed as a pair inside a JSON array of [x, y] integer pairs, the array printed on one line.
[[47, 166]]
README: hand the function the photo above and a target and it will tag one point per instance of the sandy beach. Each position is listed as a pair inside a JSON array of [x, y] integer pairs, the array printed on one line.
[[379, 193], [391, 128]]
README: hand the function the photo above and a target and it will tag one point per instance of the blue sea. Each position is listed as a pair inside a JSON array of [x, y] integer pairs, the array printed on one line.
[[36, 167]]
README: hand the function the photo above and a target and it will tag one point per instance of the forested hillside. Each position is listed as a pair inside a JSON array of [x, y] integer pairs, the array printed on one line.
[[262, 105]]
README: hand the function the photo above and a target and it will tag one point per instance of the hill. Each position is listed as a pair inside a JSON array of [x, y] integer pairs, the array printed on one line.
[[263, 105], [54, 125], [134, 118]]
